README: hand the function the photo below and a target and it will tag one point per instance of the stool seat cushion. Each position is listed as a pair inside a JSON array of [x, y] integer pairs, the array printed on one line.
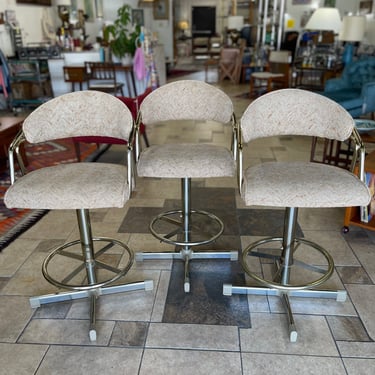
[[266, 75], [186, 161], [71, 186], [302, 184]]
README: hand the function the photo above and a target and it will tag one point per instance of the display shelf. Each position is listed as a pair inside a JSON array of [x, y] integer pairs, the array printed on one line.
[[30, 83]]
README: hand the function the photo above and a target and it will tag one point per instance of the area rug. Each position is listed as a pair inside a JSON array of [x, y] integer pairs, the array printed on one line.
[[14, 222]]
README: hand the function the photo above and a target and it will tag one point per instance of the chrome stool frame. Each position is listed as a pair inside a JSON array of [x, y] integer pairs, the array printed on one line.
[[93, 288], [280, 284], [185, 227]]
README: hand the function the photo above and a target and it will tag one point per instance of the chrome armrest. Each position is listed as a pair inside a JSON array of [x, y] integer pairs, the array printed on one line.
[[135, 136], [240, 160], [14, 151], [359, 154], [234, 141]]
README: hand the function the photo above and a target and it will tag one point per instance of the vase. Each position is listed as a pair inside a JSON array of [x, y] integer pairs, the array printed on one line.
[[127, 59]]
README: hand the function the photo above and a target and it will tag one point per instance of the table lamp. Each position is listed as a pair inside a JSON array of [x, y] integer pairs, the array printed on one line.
[[183, 25], [324, 19], [353, 30], [235, 24]]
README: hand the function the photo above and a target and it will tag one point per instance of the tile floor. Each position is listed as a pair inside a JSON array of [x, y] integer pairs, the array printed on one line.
[[166, 331]]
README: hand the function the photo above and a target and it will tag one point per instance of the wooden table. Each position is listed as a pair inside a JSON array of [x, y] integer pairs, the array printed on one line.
[[9, 127]]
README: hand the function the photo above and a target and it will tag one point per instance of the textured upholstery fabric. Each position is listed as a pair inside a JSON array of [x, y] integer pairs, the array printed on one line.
[[70, 186], [355, 89], [186, 100], [75, 185], [295, 112], [297, 183], [186, 160], [57, 118], [302, 184]]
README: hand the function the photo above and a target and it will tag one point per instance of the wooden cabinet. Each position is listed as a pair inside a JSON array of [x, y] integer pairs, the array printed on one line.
[[352, 214]]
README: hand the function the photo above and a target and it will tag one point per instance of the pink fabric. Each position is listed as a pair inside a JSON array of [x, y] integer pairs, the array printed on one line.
[[3, 84], [139, 65]]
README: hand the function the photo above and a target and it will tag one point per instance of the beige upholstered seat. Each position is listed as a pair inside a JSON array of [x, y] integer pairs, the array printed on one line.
[[172, 105], [78, 186], [293, 184]]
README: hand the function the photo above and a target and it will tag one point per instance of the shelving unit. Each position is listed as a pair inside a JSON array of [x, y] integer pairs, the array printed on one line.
[[30, 83], [270, 33]]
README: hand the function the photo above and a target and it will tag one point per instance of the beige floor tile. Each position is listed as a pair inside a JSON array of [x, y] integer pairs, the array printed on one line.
[[15, 313], [67, 332], [314, 337], [356, 349], [21, 359], [363, 296], [187, 362], [260, 364], [14, 255], [73, 360], [359, 366], [192, 336]]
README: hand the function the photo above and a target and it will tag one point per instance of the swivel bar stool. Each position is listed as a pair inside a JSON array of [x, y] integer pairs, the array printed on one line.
[[82, 266], [283, 266], [172, 105]]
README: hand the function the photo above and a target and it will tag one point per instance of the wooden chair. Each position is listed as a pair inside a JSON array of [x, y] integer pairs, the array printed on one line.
[[230, 63], [102, 77], [276, 75], [75, 74]]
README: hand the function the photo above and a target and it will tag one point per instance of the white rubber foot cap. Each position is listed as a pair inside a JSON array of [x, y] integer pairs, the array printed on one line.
[[187, 287], [92, 335], [149, 285], [293, 336], [233, 256], [227, 289]]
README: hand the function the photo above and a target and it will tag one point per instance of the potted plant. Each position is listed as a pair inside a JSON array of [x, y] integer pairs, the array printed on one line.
[[122, 34]]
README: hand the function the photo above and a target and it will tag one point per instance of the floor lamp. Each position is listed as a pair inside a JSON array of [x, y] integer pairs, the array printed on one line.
[[352, 30]]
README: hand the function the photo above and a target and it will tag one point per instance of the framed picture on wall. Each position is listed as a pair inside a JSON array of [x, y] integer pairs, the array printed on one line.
[[161, 9], [365, 7], [137, 17]]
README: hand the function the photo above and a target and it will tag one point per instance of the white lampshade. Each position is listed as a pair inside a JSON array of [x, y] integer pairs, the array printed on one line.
[[353, 28], [235, 22], [325, 19], [66, 3]]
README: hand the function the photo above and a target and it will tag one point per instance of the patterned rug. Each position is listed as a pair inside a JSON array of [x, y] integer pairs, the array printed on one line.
[[13, 222]]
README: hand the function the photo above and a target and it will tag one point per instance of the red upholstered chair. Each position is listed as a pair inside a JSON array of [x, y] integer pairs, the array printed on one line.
[[133, 104]]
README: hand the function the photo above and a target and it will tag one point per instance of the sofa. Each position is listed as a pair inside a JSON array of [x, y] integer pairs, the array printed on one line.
[[355, 89]]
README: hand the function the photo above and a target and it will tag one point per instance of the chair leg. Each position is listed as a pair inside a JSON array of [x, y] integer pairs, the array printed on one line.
[[90, 262], [184, 225], [280, 283], [77, 148]]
